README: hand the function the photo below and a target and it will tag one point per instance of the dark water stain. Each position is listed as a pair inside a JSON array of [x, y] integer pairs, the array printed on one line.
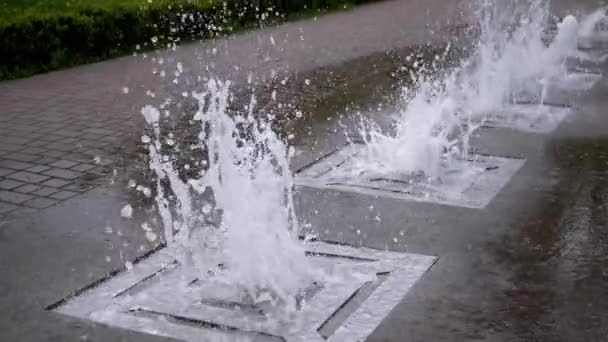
[[558, 257]]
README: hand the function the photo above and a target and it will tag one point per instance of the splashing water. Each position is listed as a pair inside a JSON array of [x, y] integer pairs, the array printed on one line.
[[441, 116], [588, 28], [247, 182]]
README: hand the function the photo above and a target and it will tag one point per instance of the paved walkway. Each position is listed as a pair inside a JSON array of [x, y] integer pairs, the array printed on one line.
[[57, 130]]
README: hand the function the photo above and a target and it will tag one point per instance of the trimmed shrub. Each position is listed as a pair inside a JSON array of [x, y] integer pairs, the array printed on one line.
[[38, 40]]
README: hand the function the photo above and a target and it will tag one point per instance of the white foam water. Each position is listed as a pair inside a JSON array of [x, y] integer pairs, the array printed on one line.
[[245, 181], [511, 63], [589, 32]]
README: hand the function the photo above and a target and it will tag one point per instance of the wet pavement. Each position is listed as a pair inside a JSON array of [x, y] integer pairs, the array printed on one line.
[[531, 266]]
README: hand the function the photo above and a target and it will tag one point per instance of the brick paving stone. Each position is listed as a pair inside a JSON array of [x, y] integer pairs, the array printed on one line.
[[100, 171], [27, 188], [10, 147], [40, 203], [15, 165], [55, 154], [100, 131], [13, 197], [33, 150], [93, 136], [6, 172], [6, 207], [83, 167], [78, 157], [63, 195], [52, 137], [68, 133], [45, 160], [8, 184], [22, 157], [37, 143], [13, 140], [78, 187], [61, 173], [38, 168], [69, 141], [44, 191], [91, 143], [61, 147], [28, 177], [55, 183], [64, 164]]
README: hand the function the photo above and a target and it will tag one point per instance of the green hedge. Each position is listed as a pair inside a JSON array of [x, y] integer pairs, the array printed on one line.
[[40, 40]]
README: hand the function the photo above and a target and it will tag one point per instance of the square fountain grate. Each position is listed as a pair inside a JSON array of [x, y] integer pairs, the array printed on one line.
[[368, 284], [533, 118], [474, 186]]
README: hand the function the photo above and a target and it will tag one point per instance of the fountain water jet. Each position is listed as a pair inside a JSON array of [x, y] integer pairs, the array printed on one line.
[[441, 115], [245, 181]]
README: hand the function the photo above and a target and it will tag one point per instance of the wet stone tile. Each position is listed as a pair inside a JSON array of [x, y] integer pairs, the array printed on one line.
[[8, 184], [13, 140], [44, 191], [10, 147], [28, 177], [61, 147], [64, 164], [55, 183], [79, 187], [45, 161], [40, 203], [68, 133], [83, 167], [63, 195], [55, 154], [38, 168], [37, 143], [28, 188], [22, 157], [13, 197], [33, 150], [7, 207], [61, 173], [5, 172]]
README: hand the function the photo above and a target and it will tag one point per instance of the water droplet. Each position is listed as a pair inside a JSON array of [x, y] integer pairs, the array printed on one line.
[[151, 236], [126, 211]]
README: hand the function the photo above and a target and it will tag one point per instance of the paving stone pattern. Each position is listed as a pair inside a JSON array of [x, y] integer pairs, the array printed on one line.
[[42, 163]]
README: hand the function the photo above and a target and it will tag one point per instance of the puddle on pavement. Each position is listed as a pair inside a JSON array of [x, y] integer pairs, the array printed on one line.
[[557, 257]]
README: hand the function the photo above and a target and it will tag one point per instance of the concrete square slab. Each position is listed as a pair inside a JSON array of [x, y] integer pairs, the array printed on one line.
[[361, 287], [469, 183]]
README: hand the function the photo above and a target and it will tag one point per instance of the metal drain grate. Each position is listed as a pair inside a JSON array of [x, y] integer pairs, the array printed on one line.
[[533, 118], [364, 287], [474, 186]]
